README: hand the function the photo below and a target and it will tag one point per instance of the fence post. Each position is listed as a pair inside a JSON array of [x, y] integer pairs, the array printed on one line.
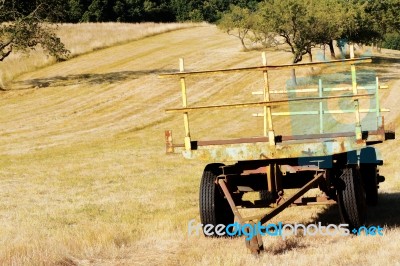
[[184, 104]]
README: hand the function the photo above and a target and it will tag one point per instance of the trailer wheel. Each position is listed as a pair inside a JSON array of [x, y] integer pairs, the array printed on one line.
[[351, 198], [214, 208], [369, 174]]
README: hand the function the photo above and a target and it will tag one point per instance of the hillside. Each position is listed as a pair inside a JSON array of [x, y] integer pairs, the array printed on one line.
[[85, 180]]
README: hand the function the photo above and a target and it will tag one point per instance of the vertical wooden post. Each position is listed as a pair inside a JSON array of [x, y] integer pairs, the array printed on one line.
[[377, 105], [353, 70], [271, 177], [267, 109], [184, 104], [358, 124], [377, 98], [358, 129], [169, 144], [265, 93], [321, 111]]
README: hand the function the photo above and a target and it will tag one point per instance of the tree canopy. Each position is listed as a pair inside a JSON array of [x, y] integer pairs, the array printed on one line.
[[22, 28], [133, 10], [237, 22], [304, 24]]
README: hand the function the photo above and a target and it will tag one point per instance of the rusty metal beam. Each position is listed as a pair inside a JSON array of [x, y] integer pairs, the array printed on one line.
[[263, 218], [255, 244], [283, 138], [231, 202], [286, 149], [269, 67], [269, 103]]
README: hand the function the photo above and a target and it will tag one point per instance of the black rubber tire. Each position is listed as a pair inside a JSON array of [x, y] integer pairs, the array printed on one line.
[[351, 198], [369, 175], [214, 208]]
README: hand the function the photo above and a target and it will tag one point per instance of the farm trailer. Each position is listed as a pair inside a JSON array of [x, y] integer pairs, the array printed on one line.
[[343, 165]]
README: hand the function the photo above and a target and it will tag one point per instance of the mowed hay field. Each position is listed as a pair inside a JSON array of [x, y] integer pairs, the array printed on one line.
[[84, 179], [82, 39]]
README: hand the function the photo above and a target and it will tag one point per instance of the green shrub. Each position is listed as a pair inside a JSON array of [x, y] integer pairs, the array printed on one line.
[[392, 41]]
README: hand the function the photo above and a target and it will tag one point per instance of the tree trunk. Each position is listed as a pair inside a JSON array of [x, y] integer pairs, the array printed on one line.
[[342, 53], [296, 59], [332, 49], [294, 79], [243, 45], [311, 58]]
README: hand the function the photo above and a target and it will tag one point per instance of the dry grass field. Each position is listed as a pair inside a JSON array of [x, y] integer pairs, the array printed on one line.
[[85, 38], [84, 179]]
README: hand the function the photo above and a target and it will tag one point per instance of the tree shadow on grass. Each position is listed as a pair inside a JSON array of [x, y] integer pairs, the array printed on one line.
[[85, 79], [387, 67], [384, 67], [385, 213], [385, 61]]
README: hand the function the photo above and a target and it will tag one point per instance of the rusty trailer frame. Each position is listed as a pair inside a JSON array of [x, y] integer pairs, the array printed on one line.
[[329, 161]]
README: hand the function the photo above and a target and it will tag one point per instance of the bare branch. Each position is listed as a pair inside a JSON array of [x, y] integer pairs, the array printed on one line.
[[3, 55], [3, 46]]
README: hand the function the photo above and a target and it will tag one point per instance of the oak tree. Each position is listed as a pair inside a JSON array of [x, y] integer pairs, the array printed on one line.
[[24, 28]]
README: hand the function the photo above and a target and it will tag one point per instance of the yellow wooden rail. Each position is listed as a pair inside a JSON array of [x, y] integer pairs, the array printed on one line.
[[269, 103], [309, 90], [269, 67]]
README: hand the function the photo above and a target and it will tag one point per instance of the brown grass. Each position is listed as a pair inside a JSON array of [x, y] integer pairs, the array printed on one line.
[[85, 181]]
